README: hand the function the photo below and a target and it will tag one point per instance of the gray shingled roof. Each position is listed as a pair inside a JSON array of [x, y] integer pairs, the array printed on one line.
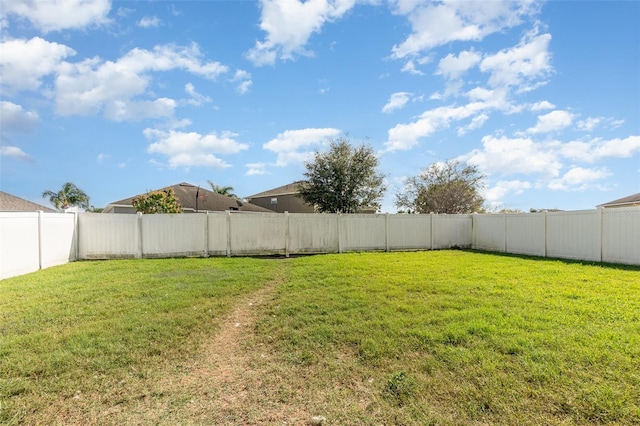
[[12, 203], [630, 200], [288, 189], [207, 200]]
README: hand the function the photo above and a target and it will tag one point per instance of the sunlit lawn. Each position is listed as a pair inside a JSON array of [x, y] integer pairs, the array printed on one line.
[[442, 337]]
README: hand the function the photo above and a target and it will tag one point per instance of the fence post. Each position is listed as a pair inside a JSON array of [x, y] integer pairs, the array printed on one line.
[[600, 221], [339, 232], [139, 226], [228, 233], [505, 232], [544, 229], [40, 239], [386, 231], [76, 238], [206, 234], [287, 235], [431, 238]]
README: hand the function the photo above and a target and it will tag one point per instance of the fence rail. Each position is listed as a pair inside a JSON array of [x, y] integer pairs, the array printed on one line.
[[32, 241]]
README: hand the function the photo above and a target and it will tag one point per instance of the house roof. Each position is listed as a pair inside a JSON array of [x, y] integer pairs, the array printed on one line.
[[630, 200], [207, 200], [12, 203], [288, 189]]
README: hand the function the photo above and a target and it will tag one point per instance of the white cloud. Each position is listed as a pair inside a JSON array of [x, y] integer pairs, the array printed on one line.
[[102, 157], [504, 156], [24, 63], [88, 87], [476, 123], [256, 169], [56, 15], [494, 194], [453, 67], [553, 121], [13, 118], [290, 23], [149, 22], [542, 105], [197, 99], [410, 67], [289, 143], [243, 79], [193, 149], [406, 136], [589, 124], [434, 24], [524, 66], [14, 152], [597, 149], [124, 110], [397, 101], [579, 179]]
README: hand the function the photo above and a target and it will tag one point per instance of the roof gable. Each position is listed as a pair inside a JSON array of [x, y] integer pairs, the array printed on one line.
[[288, 189], [193, 197], [630, 200], [10, 202]]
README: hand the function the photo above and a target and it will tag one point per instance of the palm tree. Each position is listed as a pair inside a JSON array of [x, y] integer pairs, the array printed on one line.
[[69, 195], [223, 190]]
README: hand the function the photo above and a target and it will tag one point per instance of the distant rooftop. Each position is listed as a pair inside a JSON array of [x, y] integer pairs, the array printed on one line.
[[629, 201], [11, 203]]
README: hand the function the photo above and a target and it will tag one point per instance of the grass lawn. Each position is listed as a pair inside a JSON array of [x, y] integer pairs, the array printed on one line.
[[441, 337]]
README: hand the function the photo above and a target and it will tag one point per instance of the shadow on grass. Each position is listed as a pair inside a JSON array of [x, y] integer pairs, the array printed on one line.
[[619, 266]]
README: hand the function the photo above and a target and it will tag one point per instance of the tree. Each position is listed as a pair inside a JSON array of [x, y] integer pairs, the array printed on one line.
[[161, 201], [68, 196], [343, 179], [449, 187], [223, 190]]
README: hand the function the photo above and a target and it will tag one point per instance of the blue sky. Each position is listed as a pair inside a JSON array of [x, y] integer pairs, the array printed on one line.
[[121, 97]]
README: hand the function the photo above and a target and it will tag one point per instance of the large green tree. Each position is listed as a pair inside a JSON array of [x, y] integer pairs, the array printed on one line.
[[161, 201], [450, 187], [68, 196], [343, 179]]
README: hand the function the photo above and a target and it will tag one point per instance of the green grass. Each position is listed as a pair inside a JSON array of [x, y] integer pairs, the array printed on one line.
[[92, 326], [443, 337]]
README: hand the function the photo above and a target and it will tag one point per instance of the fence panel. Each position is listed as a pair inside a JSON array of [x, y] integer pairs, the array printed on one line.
[[108, 236], [218, 233], [359, 232], [409, 232], [172, 235], [489, 232], [452, 231], [257, 233], [313, 233], [525, 234], [621, 235], [574, 235], [19, 247], [57, 239]]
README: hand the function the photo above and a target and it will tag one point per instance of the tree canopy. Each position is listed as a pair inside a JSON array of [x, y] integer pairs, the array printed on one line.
[[223, 190], [161, 201], [68, 196], [450, 187], [343, 179]]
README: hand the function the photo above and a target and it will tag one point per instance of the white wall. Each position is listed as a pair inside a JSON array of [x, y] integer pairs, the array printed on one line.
[[313, 233], [574, 235], [621, 235], [31, 241], [108, 236], [19, 247], [173, 235], [57, 239]]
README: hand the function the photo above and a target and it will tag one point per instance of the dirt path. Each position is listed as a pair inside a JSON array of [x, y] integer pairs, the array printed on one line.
[[232, 382]]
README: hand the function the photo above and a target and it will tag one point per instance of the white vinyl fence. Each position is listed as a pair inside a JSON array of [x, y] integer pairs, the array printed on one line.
[[35, 240], [31, 241]]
